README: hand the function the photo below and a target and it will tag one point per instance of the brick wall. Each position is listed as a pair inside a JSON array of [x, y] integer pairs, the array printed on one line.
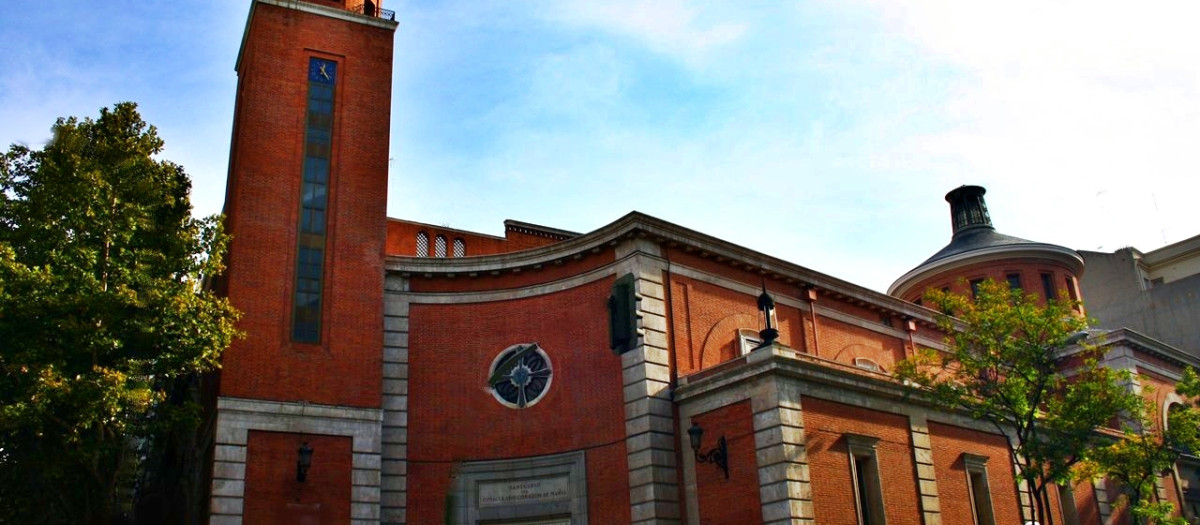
[[274, 496], [1029, 268], [1086, 505], [843, 343], [508, 279], [706, 318], [402, 240], [733, 500], [949, 443], [826, 424], [263, 202], [452, 418]]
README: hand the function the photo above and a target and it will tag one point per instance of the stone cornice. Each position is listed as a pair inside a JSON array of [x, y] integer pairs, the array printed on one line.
[[821, 375], [307, 7], [1149, 345], [637, 225]]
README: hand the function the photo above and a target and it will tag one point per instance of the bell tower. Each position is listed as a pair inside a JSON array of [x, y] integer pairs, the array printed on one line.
[[305, 206]]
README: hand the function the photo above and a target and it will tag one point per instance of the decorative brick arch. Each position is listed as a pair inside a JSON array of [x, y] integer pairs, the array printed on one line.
[[720, 342], [1165, 403]]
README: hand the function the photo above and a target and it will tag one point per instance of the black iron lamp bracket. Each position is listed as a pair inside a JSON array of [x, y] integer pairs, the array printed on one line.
[[718, 456]]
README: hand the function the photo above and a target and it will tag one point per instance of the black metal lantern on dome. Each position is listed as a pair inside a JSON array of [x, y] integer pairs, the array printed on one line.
[[766, 305]]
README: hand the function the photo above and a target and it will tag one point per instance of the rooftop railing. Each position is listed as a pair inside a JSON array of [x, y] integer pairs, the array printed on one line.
[[371, 10]]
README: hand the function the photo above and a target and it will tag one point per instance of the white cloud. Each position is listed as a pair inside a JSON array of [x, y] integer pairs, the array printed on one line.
[[1088, 113], [676, 28]]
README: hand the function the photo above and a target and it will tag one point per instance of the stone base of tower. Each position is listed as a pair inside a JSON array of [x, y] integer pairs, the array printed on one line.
[[255, 478]]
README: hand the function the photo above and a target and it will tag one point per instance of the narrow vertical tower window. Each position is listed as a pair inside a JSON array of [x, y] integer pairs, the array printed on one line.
[[314, 193]]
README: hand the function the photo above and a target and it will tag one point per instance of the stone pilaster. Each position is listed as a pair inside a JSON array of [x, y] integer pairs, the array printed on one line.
[[394, 483], [931, 504], [1024, 495], [784, 487], [1103, 504], [649, 412]]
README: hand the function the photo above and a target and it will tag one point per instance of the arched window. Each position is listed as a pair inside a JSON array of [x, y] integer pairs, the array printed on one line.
[[460, 248], [867, 363], [422, 244], [439, 246], [748, 340]]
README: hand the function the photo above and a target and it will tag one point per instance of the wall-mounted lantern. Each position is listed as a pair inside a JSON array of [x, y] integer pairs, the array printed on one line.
[[303, 461], [717, 456]]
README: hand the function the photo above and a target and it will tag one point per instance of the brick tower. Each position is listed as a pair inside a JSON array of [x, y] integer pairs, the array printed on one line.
[[305, 205]]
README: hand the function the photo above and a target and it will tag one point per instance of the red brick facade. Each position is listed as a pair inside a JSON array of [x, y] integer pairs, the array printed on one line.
[[263, 206], [733, 499], [458, 419], [949, 444], [827, 425], [401, 397], [273, 495], [1029, 270]]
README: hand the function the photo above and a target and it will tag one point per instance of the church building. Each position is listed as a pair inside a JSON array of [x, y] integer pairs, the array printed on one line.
[[398, 372]]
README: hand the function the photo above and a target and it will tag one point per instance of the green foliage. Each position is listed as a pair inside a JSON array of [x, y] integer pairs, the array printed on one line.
[[101, 308], [1145, 450], [1006, 364]]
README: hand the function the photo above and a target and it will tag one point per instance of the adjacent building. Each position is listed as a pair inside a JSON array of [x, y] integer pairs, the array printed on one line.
[[1156, 293], [642, 372]]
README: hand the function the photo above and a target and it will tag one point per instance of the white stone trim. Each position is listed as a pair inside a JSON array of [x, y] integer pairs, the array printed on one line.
[[646, 375], [471, 474], [1103, 503], [1065, 256], [593, 275], [781, 453], [651, 231], [236, 417], [332, 12], [393, 499], [980, 496], [687, 410], [927, 488]]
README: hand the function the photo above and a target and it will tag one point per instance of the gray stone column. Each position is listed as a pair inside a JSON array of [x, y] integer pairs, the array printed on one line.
[[394, 485], [649, 413], [785, 490], [1024, 495], [1103, 504], [931, 505]]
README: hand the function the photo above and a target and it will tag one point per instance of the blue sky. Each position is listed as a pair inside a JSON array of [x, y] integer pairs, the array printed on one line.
[[822, 132]]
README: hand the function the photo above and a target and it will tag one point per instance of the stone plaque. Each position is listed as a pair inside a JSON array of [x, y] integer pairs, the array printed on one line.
[[524, 491]]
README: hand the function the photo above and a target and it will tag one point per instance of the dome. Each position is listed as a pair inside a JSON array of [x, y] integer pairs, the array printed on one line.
[[977, 250]]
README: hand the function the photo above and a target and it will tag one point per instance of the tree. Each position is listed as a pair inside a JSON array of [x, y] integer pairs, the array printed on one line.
[[1005, 364], [101, 311], [1146, 449]]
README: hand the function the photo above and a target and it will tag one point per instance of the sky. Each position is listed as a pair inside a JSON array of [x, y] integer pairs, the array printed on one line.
[[822, 132]]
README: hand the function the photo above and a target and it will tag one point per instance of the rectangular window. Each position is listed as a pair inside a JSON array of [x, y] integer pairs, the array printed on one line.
[[1048, 287], [975, 284], [977, 486], [1014, 281], [1071, 288], [864, 472], [314, 198], [1066, 500]]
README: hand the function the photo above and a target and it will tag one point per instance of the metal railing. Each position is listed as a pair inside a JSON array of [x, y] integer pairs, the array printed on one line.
[[370, 9]]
